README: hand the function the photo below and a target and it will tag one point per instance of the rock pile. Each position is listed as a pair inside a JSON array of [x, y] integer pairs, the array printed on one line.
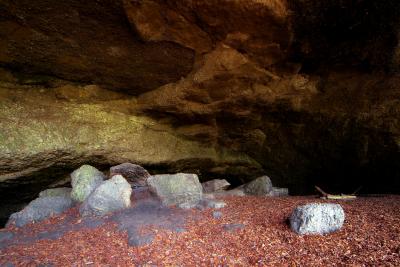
[[98, 196], [261, 186]]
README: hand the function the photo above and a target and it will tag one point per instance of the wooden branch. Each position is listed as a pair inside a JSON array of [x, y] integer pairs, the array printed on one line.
[[321, 191], [337, 197]]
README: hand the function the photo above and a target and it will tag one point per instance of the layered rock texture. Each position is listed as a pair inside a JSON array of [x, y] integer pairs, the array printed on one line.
[[224, 89]]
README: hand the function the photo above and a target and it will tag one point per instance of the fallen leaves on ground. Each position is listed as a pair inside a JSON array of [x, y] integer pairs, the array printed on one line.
[[370, 236]]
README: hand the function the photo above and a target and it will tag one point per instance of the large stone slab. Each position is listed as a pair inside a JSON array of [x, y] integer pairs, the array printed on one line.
[[112, 195], [40, 209], [317, 218], [181, 189]]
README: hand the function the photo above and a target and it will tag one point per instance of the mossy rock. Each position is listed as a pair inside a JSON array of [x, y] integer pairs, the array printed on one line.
[[84, 181]]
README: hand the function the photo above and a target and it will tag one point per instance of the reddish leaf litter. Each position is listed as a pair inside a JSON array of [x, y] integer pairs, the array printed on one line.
[[370, 237]]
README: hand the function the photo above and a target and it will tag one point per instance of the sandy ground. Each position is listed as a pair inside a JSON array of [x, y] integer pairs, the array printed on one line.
[[370, 237]]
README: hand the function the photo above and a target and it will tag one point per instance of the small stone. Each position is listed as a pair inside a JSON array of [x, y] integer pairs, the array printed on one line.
[[111, 195], [317, 218], [233, 226], [136, 175], [217, 214], [215, 185], [84, 180], [56, 192]]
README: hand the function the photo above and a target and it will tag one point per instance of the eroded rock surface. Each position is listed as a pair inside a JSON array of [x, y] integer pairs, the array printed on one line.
[[225, 89], [87, 41]]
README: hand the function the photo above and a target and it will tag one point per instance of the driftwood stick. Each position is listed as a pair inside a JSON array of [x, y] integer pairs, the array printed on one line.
[[330, 196], [321, 191], [340, 197]]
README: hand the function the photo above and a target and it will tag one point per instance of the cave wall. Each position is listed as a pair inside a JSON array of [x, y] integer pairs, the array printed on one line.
[[302, 90]]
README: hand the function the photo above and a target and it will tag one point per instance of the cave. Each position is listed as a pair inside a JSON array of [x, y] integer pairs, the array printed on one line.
[[303, 91]]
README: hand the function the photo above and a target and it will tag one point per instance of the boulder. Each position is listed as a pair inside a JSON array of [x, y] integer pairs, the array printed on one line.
[[111, 195], [136, 175], [56, 192], [215, 185], [259, 187], [40, 209], [181, 189], [317, 218], [84, 180]]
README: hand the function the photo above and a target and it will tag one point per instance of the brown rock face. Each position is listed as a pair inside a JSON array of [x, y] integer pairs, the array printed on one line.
[[88, 42], [258, 28]]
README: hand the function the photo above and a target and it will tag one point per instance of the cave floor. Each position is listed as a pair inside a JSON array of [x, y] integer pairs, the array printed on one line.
[[370, 236]]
